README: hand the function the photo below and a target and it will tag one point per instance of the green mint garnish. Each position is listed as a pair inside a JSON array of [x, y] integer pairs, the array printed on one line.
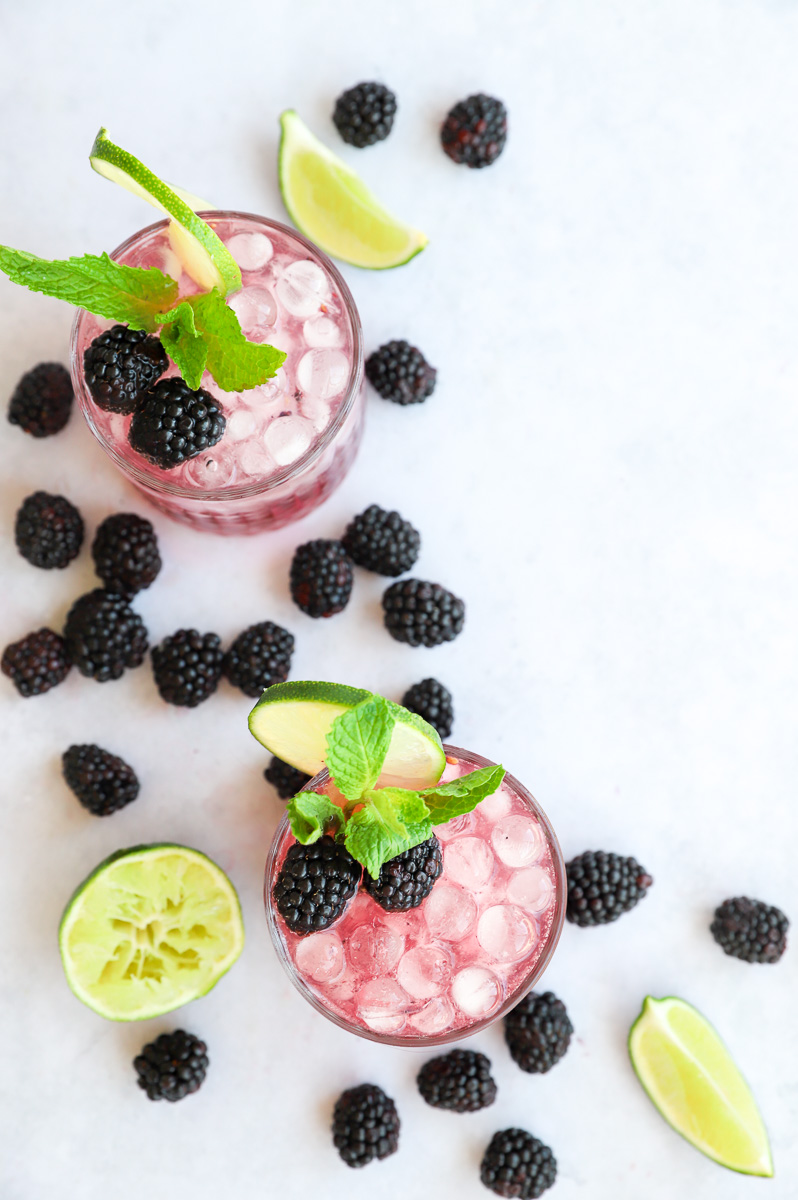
[[311, 813], [448, 800], [357, 744], [203, 333], [390, 821]]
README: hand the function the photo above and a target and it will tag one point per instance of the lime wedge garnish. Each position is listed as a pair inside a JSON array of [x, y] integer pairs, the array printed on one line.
[[150, 929], [332, 206], [694, 1083], [201, 251]]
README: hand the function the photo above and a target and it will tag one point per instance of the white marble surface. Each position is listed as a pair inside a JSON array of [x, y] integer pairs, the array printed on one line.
[[606, 473]]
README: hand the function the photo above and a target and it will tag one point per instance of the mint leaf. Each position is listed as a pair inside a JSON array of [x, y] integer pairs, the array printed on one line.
[[357, 744], [447, 800], [184, 344], [310, 813], [392, 820]]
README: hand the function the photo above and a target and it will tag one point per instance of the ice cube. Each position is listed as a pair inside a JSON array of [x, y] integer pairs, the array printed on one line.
[[240, 424], [171, 264], [318, 412], [322, 332], [496, 805], [477, 991], [375, 949], [517, 841], [256, 310], [212, 470], [449, 912], [469, 862], [466, 823], [424, 971], [287, 438], [506, 933], [436, 1015], [532, 889], [254, 460], [303, 288], [250, 250], [322, 374], [320, 956], [383, 1005]]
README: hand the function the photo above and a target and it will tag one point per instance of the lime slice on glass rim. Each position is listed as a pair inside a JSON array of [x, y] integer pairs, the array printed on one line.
[[694, 1083], [330, 204], [150, 929]]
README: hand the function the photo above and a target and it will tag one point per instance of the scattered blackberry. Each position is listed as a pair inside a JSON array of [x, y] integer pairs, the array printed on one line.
[[119, 365], [102, 782], [125, 553], [315, 884], [365, 1125], [42, 400], [475, 131], [364, 114], [517, 1164], [601, 887], [750, 930], [421, 613], [405, 881], [187, 667], [432, 701], [382, 541], [285, 779], [401, 373], [172, 1066], [259, 657], [459, 1081], [36, 663], [104, 635], [172, 423], [321, 578], [538, 1032], [48, 530]]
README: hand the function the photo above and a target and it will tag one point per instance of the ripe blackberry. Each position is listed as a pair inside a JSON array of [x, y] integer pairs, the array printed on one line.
[[172, 1066], [259, 657], [285, 779], [401, 373], [102, 782], [125, 553], [538, 1032], [365, 1125], [459, 1081], [405, 881], [171, 423], [36, 663], [517, 1164], [750, 930], [321, 578], [315, 884], [119, 365], [432, 701], [475, 131], [48, 530], [187, 667], [364, 114], [422, 613], [42, 400], [601, 887], [382, 541], [104, 635]]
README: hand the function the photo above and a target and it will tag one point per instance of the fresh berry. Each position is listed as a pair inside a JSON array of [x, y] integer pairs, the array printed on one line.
[[750, 930], [382, 541], [119, 365], [538, 1032], [365, 1125], [517, 1164], [104, 635], [36, 663], [364, 114], [432, 701], [475, 131], [42, 400], [187, 667], [321, 578], [285, 779], [125, 553], [315, 884], [459, 1081], [48, 530], [259, 657], [102, 782], [601, 887], [421, 613], [172, 423], [172, 1066], [401, 373], [406, 880]]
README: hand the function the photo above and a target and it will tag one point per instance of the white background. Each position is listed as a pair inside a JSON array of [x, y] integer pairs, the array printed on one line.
[[606, 473]]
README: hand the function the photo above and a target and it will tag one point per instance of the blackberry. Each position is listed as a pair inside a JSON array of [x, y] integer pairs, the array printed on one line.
[[36, 663], [119, 365], [538, 1032], [259, 657], [364, 114], [48, 531], [750, 930], [365, 1125], [104, 635], [172, 423], [125, 553], [102, 782], [601, 887], [459, 1081], [517, 1164], [321, 578], [172, 1066], [401, 373], [382, 541], [315, 884], [432, 701], [41, 402], [406, 880], [475, 131], [285, 779], [187, 667], [421, 613]]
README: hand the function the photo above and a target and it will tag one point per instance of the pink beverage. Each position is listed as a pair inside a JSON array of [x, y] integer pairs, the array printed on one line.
[[288, 443], [466, 954]]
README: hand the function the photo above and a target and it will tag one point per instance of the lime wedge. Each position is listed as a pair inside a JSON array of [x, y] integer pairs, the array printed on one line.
[[150, 929], [332, 206], [201, 251], [692, 1080]]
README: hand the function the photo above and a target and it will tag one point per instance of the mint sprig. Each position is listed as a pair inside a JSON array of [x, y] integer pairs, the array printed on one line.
[[203, 333], [357, 744], [311, 813]]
